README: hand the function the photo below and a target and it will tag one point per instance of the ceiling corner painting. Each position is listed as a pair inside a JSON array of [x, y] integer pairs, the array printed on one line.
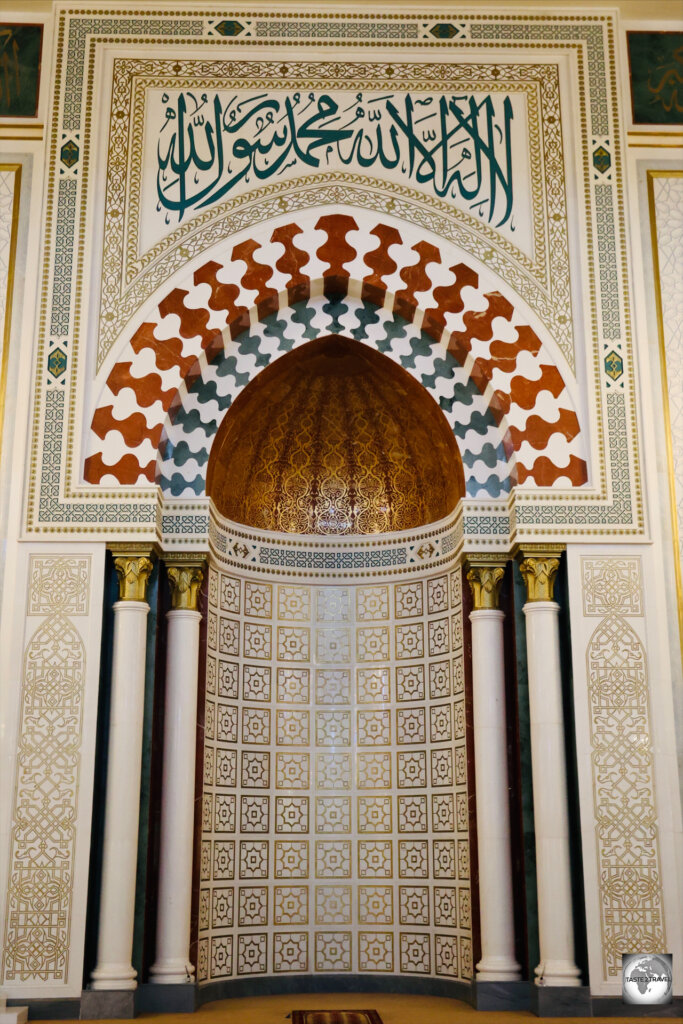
[[446, 191]]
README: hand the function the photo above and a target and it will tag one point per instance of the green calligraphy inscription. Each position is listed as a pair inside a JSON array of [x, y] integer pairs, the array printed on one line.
[[656, 69], [20, 50], [459, 146]]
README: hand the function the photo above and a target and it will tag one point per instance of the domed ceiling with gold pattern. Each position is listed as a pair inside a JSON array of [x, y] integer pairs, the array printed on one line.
[[335, 438]]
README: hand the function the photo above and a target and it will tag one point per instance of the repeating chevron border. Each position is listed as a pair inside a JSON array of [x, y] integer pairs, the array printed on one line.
[[499, 387]]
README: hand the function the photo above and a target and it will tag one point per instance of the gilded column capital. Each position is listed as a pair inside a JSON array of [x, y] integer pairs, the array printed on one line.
[[539, 569], [185, 580], [133, 564], [485, 580]]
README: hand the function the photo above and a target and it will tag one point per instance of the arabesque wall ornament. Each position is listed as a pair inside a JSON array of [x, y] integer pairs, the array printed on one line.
[[626, 830], [44, 804]]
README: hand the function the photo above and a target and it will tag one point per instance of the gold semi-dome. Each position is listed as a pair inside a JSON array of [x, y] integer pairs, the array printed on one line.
[[334, 438]]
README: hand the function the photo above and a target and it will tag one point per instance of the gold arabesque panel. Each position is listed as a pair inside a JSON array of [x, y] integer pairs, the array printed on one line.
[[335, 438]]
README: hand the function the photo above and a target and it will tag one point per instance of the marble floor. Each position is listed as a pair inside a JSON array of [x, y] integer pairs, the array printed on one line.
[[393, 1009]]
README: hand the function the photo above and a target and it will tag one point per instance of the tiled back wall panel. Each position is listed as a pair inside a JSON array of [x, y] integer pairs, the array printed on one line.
[[335, 821]]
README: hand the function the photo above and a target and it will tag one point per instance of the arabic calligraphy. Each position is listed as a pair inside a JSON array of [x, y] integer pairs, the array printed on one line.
[[458, 146], [667, 89]]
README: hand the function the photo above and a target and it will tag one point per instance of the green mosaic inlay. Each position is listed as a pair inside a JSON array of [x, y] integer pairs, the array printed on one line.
[[69, 153], [443, 30], [602, 161], [229, 28], [56, 362], [655, 62]]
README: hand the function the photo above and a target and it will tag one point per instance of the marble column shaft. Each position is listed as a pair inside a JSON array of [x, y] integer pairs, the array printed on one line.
[[549, 773], [124, 765], [496, 905], [172, 964]]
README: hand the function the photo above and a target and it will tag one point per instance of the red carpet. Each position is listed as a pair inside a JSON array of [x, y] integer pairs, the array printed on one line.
[[336, 1017]]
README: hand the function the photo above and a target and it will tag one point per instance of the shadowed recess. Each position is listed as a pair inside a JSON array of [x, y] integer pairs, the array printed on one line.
[[335, 438]]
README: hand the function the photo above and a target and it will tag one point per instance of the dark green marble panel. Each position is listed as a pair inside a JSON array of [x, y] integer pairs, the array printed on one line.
[[655, 62], [20, 52]]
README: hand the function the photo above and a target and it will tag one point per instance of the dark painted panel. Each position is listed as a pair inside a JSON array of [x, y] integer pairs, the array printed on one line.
[[20, 56], [655, 62]]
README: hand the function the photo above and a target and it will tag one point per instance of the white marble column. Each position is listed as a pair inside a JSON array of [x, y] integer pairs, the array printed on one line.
[[172, 965], [549, 773], [496, 907], [124, 763]]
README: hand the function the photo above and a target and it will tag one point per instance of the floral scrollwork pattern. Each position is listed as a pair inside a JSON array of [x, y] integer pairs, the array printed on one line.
[[41, 879], [626, 831]]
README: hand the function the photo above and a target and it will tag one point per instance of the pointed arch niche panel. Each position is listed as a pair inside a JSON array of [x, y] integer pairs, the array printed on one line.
[[335, 825], [509, 398], [449, 190]]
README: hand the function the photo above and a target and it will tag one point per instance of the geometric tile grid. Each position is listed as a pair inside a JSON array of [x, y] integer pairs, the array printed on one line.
[[45, 801], [335, 833], [626, 829], [486, 368]]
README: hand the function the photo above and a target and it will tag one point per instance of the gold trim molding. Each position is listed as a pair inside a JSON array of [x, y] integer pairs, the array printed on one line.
[[16, 169], [18, 131]]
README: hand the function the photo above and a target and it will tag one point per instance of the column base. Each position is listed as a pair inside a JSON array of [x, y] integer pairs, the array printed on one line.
[[158, 998], [100, 1004], [498, 968], [558, 974], [111, 977], [560, 1001], [500, 995], [172, 972]]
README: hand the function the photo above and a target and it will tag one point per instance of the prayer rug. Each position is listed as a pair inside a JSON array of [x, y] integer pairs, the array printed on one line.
[[336, 1017]]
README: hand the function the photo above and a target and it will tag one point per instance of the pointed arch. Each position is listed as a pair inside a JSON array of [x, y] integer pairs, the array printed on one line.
[[460, 340]]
